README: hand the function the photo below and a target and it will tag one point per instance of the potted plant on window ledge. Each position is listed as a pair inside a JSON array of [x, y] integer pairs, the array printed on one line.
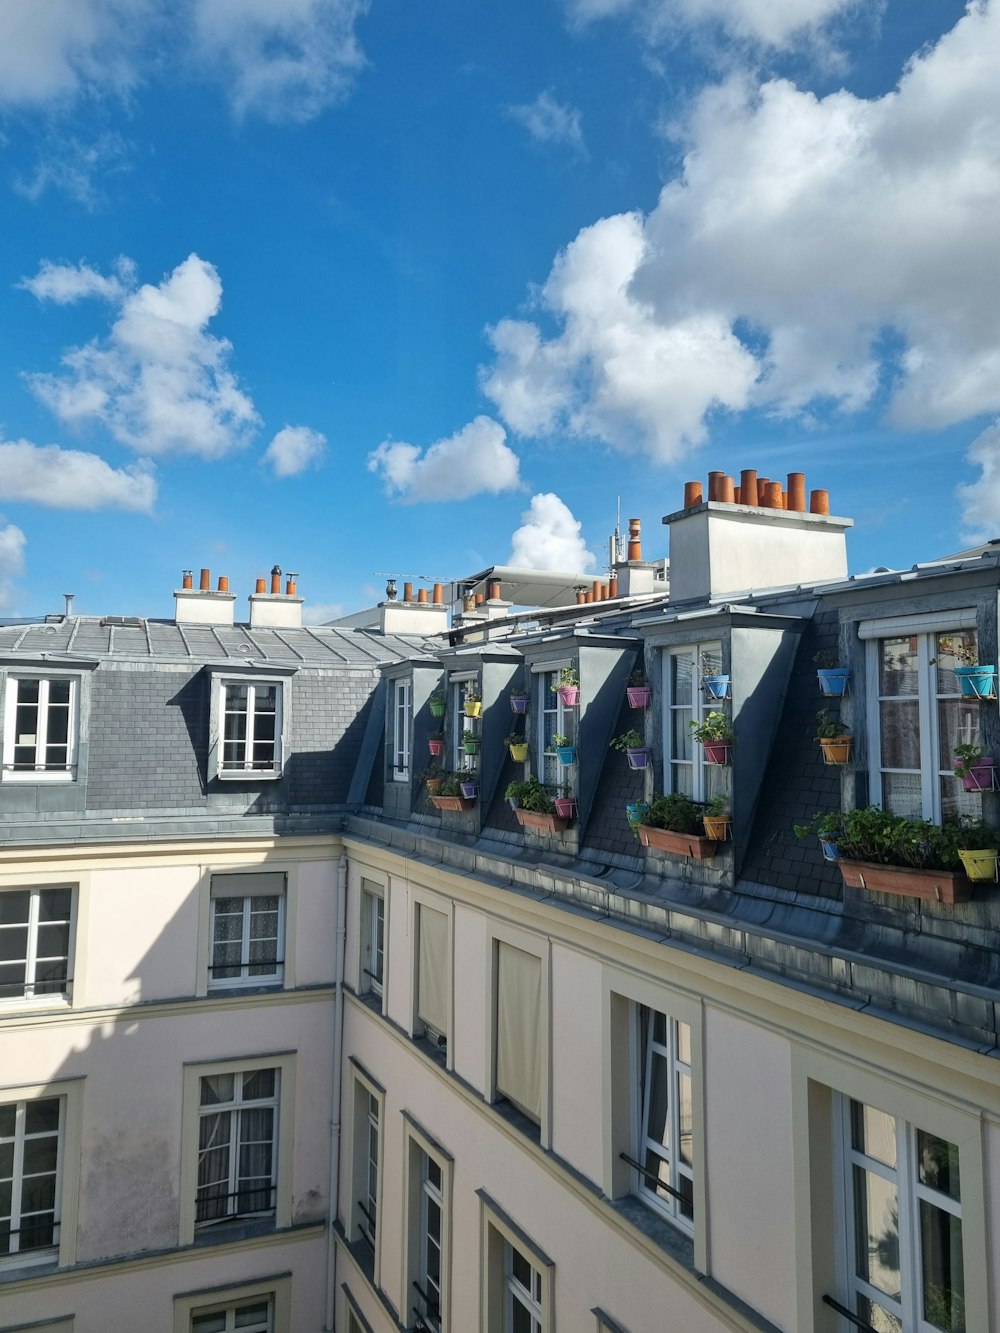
[[631, 744], [827, 827], [568, 687], [519, 697], [565, 803], [435, 744], [715, 733], [637, 690], [533, 806], [437, 703], [434, 779], [885, 853], [565, 749], [834, 739], [518, 746], [834, 680], [473, 700], [717, 819], [976, 769], [974, 680], [714, 684], [470, 742], [674, 824], [450, 796]]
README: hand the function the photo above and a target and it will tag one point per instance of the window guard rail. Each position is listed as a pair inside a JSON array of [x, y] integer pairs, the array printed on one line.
[[36, 987], [374, 975], [238, 967], [651, 1175], [39, 768], [851, 1318], [371, 1222], [432, 1305]]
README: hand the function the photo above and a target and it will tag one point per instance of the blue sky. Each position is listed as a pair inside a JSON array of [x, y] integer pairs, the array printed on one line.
[[416, 288]]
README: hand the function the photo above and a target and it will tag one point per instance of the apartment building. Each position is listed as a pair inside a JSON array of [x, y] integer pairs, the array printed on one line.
[[551, 1077]]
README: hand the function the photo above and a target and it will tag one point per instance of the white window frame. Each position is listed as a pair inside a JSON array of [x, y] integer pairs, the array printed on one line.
[[910, 1195], [402, 728], [367, 1156], [419, 1026], [283, 1063], [551, 773], [229, 1312], [39, 772], [245, 771], [235, 1111], [374, 903], [676, 1068], [218, 1300], [501, 1289], [27, 994], [538, 949], [68, 1094], [421, 1193], [244, 892], [706, 780], [927, 698], [459, 724]]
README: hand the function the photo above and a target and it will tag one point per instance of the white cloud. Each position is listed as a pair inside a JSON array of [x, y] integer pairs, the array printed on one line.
[[160, 383], [294, 449], [66, 283], [474, 461], [836, 229], [549, 122], [69, 479], [74, 168], [285, 62], [318, 613], [770, 23], [52, 49], [980, 501], [12, 544], [549, 538]]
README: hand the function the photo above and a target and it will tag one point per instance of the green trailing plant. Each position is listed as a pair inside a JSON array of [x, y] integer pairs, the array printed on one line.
[[718, 807], [516, 738], [451, 785], [676, 813], [628, 740], [714, 729], [964, 652], [438, 697], [824, 660], [829, 725], [638, 677], [470, 737], [531, 795], [872, 834], [561, 742], [969, 756], [471, 693], [823, 821]]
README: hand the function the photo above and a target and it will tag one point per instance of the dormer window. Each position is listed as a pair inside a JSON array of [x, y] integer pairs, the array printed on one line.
[[684, 703], [40, 729], [251, 728], [402, 721]]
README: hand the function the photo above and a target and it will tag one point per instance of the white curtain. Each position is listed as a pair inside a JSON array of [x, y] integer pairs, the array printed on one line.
[[519, 1028], [432, 969]]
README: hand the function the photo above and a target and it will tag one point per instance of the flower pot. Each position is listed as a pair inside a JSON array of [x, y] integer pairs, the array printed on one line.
[[566, 754], [473, 707], [638, 695], [981, 775], [544, 823], [718, 752], [943, 886], [437, 708], [451, 803], [470, 790], [519, 753], [717, 827], [636, 812], [828, 845], [836, 749], [977, 682], [569, 694], [519, 703], [436, 747], [834, 681], [434, 785], [565, 806], [717, 687], [470, 747], [639, 757], [980, 865], [678, 844]]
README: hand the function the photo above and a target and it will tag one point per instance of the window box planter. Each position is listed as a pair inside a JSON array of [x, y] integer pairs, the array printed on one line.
[[718, 752], [836, 749], [569, 694], [678, 844], [717, 687], [638, 695], [452, 802], [518, 703], [565, 806], [638, 757], [436, 745], [834, 682], [543, 822], [566, 754], [473, 707], [977, 682], [470, 789], [943, 886], [519, 752]]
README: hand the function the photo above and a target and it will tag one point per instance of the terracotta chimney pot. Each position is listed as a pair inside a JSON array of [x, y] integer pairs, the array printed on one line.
[[581, 596], [613, 586], [761, 491], [206, 580], [422, 596], [748, 486], [797, 492], [605, 592], [634, 540], [713, 484], [493, 587], [276, 582], [290, 588], [438, 598], [588, 597], [407, 592], [772, 495], [261, 586], [726, 490], [223, 583], [692, 494], [819, 502], [480, 598], [737, 495], [187, 580]]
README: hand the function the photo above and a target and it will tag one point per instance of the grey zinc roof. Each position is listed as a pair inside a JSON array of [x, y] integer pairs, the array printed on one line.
[[165, 641]]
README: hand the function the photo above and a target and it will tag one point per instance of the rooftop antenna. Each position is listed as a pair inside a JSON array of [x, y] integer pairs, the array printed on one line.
[[616, 545]]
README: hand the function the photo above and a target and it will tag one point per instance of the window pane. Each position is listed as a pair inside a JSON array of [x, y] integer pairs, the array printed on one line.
[[880, 1319], [520, 1268], [873, 1133], [901, 794], [657, 1118], [683, 679], [897, 666], [13, 943], [937, 1164], [944, 651], [258, 1084], [941, 1261], [686, 1120], [216, 1088], [209, 1323], [958, 724], [54, 904], [899, 727], [42, 1117], [14, 908], [876, 1230], [680, 740]]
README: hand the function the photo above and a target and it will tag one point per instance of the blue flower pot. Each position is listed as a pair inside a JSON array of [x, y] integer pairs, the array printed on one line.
[[977, 682], [717, 687], [833, 681]]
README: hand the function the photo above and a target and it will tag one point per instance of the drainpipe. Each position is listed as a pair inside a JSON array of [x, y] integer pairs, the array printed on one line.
[[338, 1042]]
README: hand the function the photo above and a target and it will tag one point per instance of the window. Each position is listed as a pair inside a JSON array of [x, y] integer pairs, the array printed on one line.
[[554, 719], [370, 1136], [366, 1153], [31, 1133], [903, 1220], [427, 1228], [40, 729], [247, 930], [254, 1316], [432, 972], [665, 1160], [402, 714], [459, 724], [251, 727], [372, 938], [684, 703], [917, 717], [519, 1029], [518, 1290], [428, 1283], [237, 1145], [35, 927]]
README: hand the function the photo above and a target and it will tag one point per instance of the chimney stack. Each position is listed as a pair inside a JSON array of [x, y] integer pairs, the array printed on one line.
[[635, 575], [202, 606], [419, 616], [274, 609]]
